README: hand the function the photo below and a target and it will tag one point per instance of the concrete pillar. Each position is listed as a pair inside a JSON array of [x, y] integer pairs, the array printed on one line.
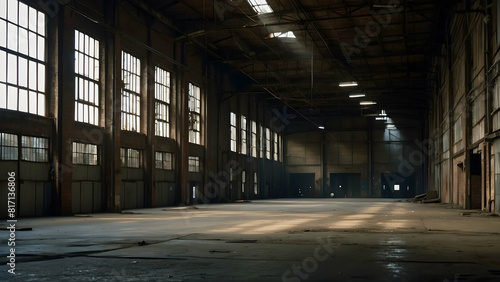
[[182, 120], [66, 113], [149, 161], [148, 120], [52, 94], [324, 166], [497, 177], [111, 151]]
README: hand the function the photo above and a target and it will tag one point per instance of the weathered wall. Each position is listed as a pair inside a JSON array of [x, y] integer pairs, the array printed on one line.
[[361, 146], [63, 188], [463, 113]]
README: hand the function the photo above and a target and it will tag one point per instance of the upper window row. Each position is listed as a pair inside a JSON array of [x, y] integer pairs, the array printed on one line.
[[23, 75], [22, 58]]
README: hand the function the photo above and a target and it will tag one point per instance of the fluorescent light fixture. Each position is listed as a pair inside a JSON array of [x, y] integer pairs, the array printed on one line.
[[386, 6], [348, 84], [288, 34], [381, 118], [361, 95], [260, 6], [367, 103], [321, 127], [391, 126]]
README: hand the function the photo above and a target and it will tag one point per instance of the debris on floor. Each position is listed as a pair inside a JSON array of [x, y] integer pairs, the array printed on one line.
[[219, 251], [241, 241], [429, 197]]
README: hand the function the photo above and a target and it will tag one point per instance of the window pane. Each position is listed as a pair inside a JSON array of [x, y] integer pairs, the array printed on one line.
[[41, 104], [23, 41], [3, 96], [12, 69], [32, 102], [3, 10], [32, 19], [12, 98], [41, 23], [41, 48], [12, 10], [32, 44], [12, 37], [32, 76], [3, 30], [23, 100], [130, 93], [23, 72], [41, 78], [3, 64], [23, 15]]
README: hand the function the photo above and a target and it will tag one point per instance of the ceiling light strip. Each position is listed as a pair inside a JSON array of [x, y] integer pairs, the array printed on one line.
[[348, 84], [360, 95]]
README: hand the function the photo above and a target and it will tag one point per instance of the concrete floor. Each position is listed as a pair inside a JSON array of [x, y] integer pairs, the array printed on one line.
[[269, 240]]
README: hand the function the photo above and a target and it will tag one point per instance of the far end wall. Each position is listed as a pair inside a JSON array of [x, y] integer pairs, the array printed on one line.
[[358, 158]]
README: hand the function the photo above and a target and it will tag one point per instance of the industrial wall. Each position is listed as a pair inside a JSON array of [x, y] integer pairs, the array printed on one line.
[[119, 150], [356, 157], [463, 123]]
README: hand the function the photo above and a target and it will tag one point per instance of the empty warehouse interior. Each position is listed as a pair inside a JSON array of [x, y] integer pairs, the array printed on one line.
[[294, 107], [113, 105]]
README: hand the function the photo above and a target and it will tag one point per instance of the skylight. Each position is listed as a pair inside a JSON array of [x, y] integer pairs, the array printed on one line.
[[288, 34], [260, 6]]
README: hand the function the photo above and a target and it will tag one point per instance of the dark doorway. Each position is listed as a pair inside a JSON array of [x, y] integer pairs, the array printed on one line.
[[394, 185], [345, 185], [475, 181], [302, 185]]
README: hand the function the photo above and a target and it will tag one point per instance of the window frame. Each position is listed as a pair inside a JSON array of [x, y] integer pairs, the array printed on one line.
[[131, 98], [262, 153], [268, 143], [164, 160], [25, 156], [89, 77], [233, 132], [24, 59], [162, 119], [9, 147], [86, 155], [253, 139], [127, 157], [243, 135], [195, 114], [275, 146], [196, 167]]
